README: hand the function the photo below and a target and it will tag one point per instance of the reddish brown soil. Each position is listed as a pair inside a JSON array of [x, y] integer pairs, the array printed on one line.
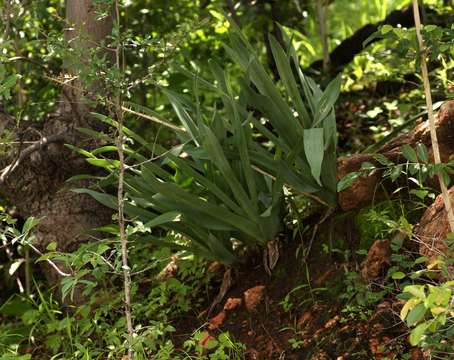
[[318, 325]]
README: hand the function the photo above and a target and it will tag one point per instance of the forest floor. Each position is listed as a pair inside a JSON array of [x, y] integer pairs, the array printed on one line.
[[282, 316]]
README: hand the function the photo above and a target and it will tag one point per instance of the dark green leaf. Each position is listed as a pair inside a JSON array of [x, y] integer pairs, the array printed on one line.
[[409, 153], [347, 181], [422, 152], [314, 149]]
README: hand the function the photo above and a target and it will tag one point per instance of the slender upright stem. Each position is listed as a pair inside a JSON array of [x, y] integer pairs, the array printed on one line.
[[28, 272], [321, 14], [121, 218], [433, 131]]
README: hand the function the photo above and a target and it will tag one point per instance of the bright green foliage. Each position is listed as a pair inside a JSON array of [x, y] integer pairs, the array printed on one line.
[[6, 83], [404, 40], [429, 312], [95, 328]]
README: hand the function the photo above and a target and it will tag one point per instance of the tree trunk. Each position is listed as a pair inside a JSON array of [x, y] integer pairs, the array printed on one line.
[[34, 176]]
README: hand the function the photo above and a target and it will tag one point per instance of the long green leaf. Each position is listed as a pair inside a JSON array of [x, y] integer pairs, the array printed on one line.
[[327, 100], [314, 148], [286, 74], [184, 116]]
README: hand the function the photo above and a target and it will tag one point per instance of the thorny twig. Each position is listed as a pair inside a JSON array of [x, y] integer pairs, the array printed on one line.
[[121, 218]]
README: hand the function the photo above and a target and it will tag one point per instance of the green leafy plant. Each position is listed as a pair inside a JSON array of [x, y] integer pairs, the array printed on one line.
[[429, 312], [218, 179], [417, 168], [404, 40], [89, 331], [235, 202], [225, 177], [220, 348], [6, 83], [303, 129]]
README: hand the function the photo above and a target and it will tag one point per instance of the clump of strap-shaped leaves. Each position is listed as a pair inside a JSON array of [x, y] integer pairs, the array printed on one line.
[[302, 119], [221, 188], [205, 194]]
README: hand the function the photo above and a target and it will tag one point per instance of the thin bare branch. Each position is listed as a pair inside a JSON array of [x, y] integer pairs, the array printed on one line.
[[28, 151], [121, 218]]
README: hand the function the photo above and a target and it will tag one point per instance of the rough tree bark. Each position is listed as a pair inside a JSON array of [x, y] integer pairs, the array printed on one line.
[[35, 184]]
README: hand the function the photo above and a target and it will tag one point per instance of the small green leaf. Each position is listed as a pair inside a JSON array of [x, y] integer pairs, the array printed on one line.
[[104, 149], [105, 199], [409, 153], [386, 29], [104, 163], [67, 285], [416, 290], [421, 260], [164, 218], [398, 275], [421, 194], [367, 166], [422, 152], [417, 333], [347, 181], [416, 314], [395, 173], [52, 246], [30, 223], [8, 83], [383, 160], [327, 100]]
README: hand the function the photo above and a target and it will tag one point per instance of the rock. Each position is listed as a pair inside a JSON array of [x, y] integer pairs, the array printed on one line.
[[362, 189], [433, 228], [252, 354], [253, 297], [217, 321], [305, 320], [374, 346], [330, 323], [232, 303], [378, 258]]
